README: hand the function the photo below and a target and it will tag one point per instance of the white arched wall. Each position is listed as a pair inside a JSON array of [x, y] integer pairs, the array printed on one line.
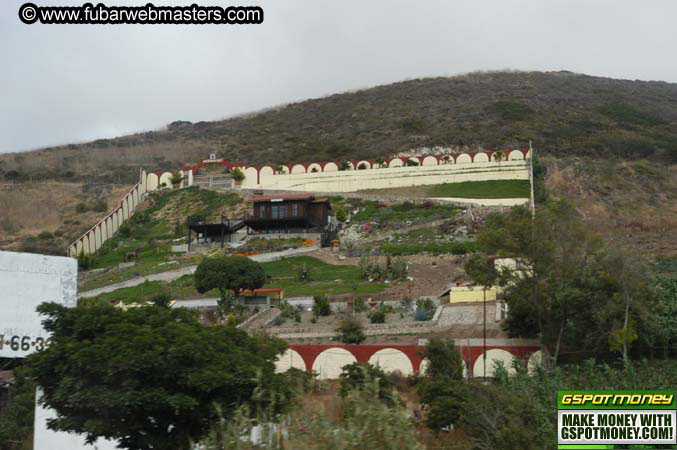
[[290, 358], [251, 176], [429, 161], [516, 155], [493, 355], [330, 167], [366, 164], [391, 360], [152, 182], [535, 360], [415, 159], [298, 168], [463, 158], [395, 162], [265, 172], [329, 364], [166, 179], [446, 160], [314, 167], [481, 157]]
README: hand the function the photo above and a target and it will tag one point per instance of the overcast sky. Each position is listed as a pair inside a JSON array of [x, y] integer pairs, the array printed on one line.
[[73, 83]]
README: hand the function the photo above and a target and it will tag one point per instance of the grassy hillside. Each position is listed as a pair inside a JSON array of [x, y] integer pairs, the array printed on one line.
[[561, 112]]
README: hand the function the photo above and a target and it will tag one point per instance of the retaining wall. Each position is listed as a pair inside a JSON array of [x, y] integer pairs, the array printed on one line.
[[106, 228], [328, 360]]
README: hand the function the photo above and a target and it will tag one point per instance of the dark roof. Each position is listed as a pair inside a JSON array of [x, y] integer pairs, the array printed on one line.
[[270, 198]]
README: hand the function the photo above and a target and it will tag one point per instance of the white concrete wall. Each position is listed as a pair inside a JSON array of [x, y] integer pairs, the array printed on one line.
[[392, 360], [106, 228], [493, 355], [354, 180], [329, 364]]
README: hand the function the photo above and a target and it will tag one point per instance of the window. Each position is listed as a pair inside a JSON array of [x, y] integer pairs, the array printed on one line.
[[278, 211], [294, 209]]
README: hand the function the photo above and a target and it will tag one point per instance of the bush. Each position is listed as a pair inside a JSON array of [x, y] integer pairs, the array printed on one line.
[[100, 205], [378, 316], [45, 235], [162, 299], [321, 306], [425, 310], [357, 376], [81, 208], [341, 215], [85, 262], [351, 331], [237, 174]]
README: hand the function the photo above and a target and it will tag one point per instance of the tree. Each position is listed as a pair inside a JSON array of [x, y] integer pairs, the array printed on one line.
[[443, 359], [147, 377], [237, 174], [176, 179], [351, 331], [357, 376], [321, 306], [228, 273], [345, 165], [569, 290]]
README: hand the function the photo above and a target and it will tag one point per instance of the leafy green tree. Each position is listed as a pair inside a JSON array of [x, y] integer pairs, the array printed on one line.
[[228, 273], [357, 376], [148, 377], [321, 306], [16, 420], [351, 331], [237, 174], [443, 359], [569, 290]]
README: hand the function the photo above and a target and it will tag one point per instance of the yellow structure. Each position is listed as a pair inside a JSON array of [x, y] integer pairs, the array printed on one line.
[[460, 294]]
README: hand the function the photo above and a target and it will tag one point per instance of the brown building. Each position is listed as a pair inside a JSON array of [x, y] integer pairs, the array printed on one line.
[[289, 214]]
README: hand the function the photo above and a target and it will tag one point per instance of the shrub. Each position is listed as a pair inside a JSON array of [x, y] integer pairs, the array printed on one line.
[[351, 331], [279, 320], [81, 208], [162, 299], [85, 262], [357, 376], [378, 316], [321, 306], [45, 235], [100, 205], [341, 215], [237, 174]]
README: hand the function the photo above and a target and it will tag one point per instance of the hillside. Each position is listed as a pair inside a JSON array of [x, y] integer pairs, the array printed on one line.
[[561, 112], [610, 145]]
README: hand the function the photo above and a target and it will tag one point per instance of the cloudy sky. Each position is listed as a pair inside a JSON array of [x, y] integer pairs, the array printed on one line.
[[73, 83]]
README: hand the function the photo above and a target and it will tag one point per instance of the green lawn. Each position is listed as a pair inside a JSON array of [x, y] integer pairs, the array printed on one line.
[[482, 189], [324, 279]]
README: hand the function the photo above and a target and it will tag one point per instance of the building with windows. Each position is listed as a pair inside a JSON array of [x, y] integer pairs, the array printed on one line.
[[296, 213]]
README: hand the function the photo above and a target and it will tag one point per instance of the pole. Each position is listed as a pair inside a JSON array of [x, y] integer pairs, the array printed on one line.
[[531, 179], [484, 351]]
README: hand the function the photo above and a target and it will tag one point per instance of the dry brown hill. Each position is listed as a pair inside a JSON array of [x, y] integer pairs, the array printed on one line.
[[609, 144]]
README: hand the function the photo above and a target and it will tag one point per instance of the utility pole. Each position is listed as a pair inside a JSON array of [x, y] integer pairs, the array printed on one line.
[[531, 179]]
